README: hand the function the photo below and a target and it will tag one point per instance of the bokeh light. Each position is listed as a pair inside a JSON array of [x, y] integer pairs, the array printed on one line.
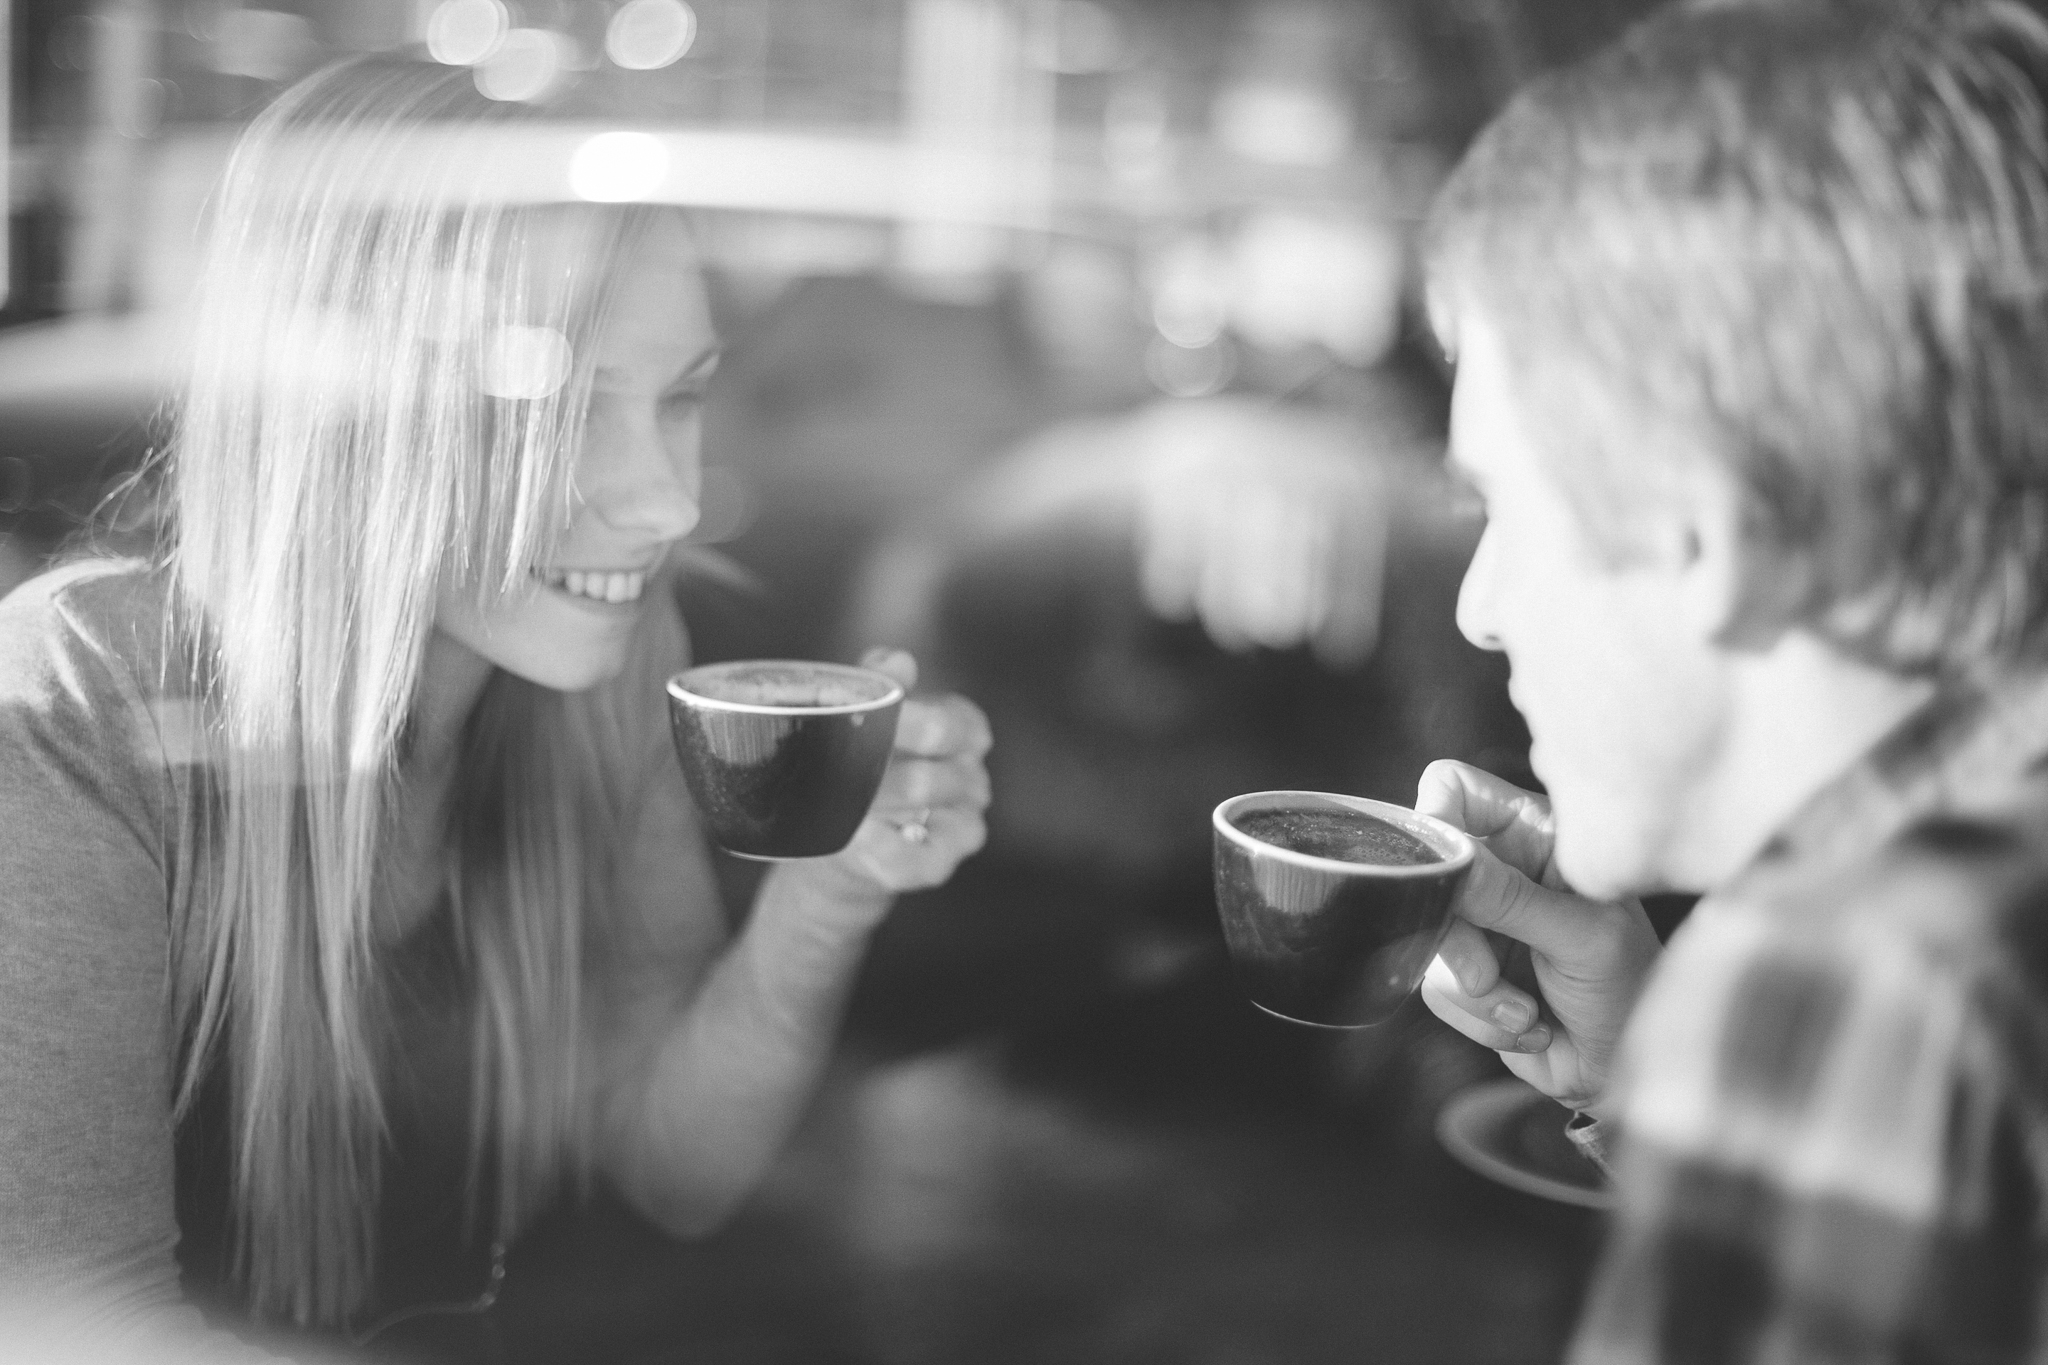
[[1302, 279], [1190, 371], [1190, 293], [617, 168], [465, 32], [646, 35], [527, 66], [525, 362], [1283, 125]]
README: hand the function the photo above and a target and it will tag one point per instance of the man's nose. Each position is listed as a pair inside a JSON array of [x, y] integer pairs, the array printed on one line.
[[1478, 595], [651, 481]]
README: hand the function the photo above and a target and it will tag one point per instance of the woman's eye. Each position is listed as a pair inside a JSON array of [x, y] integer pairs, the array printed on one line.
[[682, 400]]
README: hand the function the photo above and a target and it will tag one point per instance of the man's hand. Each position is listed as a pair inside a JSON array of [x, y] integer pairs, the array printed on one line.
[[1589, 959]]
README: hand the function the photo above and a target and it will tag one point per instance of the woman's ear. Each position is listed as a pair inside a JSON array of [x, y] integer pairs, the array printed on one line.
[[1741, 590]]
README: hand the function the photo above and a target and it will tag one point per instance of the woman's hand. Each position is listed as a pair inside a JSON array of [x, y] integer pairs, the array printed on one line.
[[710, 1098], [1589, 958], [927, 818]]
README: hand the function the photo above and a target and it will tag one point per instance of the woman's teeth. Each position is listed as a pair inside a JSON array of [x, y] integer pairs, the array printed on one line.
[[598, 587]]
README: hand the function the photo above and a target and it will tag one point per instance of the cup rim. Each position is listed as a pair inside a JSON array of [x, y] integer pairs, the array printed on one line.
[[1426, 827], [676, 688]]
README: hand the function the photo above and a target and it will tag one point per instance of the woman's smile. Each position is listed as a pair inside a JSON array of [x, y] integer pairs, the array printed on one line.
[[596, 585]]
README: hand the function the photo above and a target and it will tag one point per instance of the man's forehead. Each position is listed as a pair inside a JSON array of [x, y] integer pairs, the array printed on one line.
[[1481, 398]]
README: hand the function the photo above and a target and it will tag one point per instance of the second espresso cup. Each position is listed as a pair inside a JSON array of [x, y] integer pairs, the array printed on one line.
[[783, 756], [1331, 918]]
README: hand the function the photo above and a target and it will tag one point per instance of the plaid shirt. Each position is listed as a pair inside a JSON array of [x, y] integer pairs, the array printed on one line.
[[1833, 1097]]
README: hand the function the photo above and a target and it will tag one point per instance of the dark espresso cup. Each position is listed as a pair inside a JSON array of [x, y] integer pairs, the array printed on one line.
[[783, 756], [1333, 905]]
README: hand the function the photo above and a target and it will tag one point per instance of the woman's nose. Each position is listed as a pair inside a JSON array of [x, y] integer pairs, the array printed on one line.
[[651, 479], [1478, 595]]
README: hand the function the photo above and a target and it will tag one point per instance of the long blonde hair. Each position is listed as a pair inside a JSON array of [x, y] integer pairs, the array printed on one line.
[[343, 449]]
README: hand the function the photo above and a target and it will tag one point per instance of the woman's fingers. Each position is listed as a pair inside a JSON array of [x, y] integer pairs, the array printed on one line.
[[1503, 1019], [927, 815], [942, 727], [953, 830], [915, 782], [930, 727], [905, 849], [897, 663]]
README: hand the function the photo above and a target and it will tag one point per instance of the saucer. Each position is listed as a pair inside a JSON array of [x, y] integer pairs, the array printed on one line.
[[1510, 1132]]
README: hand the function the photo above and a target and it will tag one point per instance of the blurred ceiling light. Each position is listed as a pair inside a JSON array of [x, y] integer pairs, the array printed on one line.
[[263, 44], [525, 362], [527, 65], [842, 176], [1283, 125], [464, 32], [1081, 39], [646, 35], [617, 168]]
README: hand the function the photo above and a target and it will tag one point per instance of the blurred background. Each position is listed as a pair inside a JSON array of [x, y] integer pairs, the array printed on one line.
[[1078, 347]]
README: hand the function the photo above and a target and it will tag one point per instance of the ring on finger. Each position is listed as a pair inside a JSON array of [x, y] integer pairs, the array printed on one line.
[[917, 828]]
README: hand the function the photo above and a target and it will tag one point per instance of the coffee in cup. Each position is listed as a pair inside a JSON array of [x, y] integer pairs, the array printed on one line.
[[1333, 906], [783, 756]]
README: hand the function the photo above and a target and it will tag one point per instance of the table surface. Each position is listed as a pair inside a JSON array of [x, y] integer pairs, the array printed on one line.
[[1159, 1176]]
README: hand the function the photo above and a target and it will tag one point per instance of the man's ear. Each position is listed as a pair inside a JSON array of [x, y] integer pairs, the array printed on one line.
[[1740, 590]]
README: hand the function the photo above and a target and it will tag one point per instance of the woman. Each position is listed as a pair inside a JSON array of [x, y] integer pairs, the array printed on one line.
[[382, 726]]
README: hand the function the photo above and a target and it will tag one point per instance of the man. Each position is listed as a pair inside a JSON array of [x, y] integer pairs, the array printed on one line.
[[1751, 322]]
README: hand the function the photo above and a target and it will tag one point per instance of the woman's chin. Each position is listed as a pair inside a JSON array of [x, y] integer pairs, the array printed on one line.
[[549, 637], [567, 670]]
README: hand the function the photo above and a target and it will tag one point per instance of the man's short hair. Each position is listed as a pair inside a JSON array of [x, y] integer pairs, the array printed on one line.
[[1810, 239]]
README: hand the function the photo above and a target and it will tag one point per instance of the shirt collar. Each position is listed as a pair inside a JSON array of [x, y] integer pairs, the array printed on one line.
[[1972, 741]]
